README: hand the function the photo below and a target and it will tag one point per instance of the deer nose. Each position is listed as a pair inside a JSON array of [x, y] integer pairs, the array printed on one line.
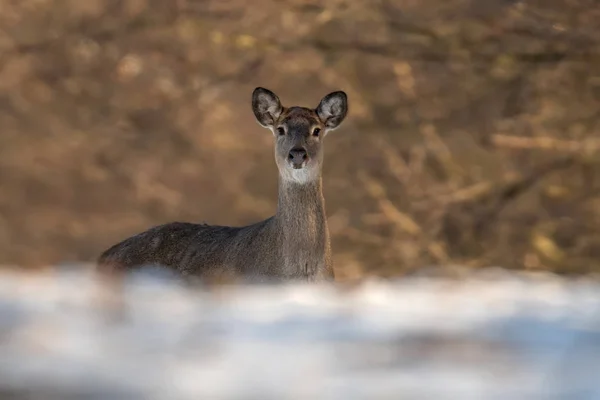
[[297, 157]]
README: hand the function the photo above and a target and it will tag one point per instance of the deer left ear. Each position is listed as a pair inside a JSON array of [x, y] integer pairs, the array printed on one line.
[[266, 107], [333, 109]]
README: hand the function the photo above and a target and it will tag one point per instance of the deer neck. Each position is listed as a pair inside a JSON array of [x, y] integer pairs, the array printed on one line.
[[302, 228]]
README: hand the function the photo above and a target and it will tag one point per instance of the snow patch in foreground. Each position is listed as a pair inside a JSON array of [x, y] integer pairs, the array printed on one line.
[[496, 336]]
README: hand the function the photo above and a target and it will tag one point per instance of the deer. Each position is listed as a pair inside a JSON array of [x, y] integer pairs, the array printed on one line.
[[292, 245]]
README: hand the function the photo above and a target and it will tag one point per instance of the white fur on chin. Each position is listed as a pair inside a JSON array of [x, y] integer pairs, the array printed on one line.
[[301, 176]]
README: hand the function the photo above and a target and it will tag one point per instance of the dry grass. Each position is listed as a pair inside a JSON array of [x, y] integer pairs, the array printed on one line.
[[472, 136]]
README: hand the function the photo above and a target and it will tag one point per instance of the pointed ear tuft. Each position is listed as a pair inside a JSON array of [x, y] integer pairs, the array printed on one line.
[[333, 109], [266, 106]]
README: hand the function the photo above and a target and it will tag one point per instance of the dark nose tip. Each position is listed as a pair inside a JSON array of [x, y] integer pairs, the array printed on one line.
[[297, 156]]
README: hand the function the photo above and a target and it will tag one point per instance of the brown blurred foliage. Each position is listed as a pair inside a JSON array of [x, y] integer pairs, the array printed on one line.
[[472, 137]]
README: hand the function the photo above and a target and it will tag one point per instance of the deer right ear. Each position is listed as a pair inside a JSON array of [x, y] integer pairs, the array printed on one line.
[[333, 109], [266, 106]]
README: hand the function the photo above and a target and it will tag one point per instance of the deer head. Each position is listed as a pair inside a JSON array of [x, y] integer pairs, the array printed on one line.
[[299, 131]]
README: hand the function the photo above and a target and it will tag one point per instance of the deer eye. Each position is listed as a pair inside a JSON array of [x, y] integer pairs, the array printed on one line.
[[316, 131], [281, 131]]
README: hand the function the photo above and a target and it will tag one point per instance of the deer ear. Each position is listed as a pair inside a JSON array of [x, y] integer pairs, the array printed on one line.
[[266, 106], [333, 109]]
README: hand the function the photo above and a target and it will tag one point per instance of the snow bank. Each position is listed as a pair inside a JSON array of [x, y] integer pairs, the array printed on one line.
[[496, 336]]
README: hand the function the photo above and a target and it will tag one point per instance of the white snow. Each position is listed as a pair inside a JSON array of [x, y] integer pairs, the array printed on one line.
[[499, 336]]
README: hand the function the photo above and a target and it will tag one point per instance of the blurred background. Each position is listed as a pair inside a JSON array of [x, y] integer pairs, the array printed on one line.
[[472, 137]]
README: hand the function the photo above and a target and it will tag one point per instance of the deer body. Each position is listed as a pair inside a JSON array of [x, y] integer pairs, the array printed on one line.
[[293, 244]]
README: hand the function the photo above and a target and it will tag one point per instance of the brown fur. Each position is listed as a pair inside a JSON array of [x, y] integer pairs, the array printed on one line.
[[292, 244]]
